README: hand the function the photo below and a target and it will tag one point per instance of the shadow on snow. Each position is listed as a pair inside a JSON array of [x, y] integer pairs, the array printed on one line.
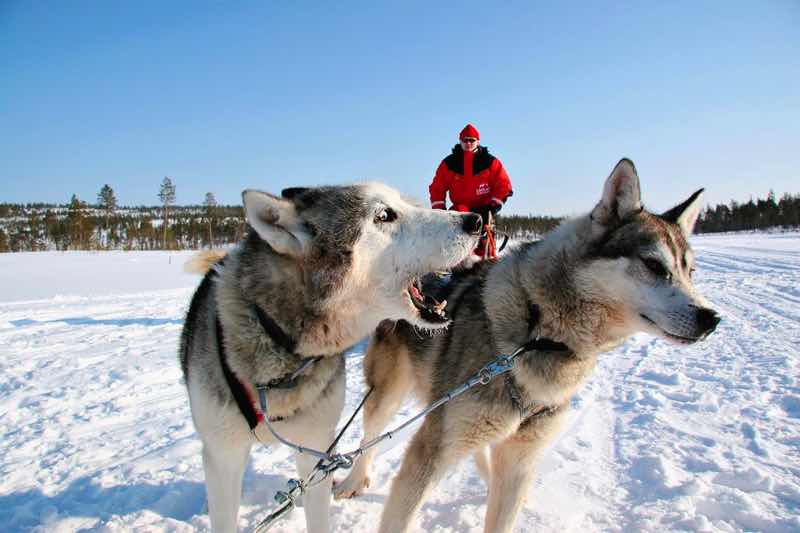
[[179, 500], [88, 321]]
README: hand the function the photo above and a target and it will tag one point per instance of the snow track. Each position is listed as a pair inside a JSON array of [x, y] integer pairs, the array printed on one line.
[[96, 434]]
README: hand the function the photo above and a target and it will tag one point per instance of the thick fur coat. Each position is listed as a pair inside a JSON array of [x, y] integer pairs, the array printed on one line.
[[589, 285], [325, 265]]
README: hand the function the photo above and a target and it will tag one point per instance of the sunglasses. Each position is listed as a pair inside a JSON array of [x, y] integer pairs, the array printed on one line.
[[467, 140]]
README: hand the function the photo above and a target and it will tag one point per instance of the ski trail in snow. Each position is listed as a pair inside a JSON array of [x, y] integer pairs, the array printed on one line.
[[703, 433]]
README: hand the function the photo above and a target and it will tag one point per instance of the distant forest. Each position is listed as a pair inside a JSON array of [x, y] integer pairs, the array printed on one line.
[[104, 225], [753, 215]]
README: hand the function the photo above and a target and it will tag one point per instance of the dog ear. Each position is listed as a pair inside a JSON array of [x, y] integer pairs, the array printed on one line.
[[621, 195], [293, 192], [303, 197], [276, 221], [685, 215]]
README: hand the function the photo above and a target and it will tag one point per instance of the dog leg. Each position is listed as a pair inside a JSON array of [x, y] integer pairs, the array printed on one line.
[[379, 408], [317, 501], [482, 459], [224, 465], [316, 429], [513, 462], [425, 462]]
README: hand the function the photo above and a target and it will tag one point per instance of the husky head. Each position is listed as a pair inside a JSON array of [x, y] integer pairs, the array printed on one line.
[[642, 265], [362, 247]]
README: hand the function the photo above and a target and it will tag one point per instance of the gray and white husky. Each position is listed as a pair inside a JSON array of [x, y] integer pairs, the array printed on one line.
[[317, 271], [587, 286]]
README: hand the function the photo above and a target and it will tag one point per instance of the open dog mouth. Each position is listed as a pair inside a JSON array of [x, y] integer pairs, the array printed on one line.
[[430, 310], [671, 336]]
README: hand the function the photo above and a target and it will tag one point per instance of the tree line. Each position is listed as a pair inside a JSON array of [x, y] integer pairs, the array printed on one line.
[[105, 225], [758, 214], [526, 227], [752, 215]]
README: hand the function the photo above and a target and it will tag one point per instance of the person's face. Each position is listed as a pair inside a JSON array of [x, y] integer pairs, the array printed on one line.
[[469, 144]]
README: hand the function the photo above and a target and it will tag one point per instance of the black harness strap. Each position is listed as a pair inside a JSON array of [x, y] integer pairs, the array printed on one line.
[[274, 331], [540, 344], [237, 389], [287, 381], [526, 412], [536, 344]]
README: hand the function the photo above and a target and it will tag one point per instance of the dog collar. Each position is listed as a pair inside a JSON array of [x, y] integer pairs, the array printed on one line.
[[535, 344]]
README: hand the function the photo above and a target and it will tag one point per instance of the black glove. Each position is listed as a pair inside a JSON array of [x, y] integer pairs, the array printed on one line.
[[484, 210]]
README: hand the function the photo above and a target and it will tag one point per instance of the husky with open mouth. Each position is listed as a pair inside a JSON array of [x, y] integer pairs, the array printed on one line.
[[316, 273]]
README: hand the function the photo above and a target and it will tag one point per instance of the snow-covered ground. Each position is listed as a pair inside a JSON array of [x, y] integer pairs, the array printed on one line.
[[95, 431]]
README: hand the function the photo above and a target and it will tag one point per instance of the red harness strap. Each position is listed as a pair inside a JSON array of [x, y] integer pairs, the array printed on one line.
[[252, 400]]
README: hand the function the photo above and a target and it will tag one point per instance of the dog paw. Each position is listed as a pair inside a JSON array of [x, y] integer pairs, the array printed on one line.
[[349, 487]]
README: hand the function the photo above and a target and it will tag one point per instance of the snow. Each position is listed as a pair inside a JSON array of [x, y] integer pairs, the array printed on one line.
[[53, 275], [96, 434]]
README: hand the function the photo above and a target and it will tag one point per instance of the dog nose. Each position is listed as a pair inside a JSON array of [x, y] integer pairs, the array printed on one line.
[[473, 223], [707, 319]]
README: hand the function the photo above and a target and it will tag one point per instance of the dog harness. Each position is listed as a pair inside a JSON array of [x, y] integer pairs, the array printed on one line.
[[241, 393], [534, 344], [538, 344]]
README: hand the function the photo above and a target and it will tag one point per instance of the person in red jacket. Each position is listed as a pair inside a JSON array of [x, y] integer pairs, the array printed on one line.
[[475, 179]]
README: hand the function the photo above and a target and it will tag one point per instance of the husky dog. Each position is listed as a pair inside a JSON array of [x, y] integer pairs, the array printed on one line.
[[317, 271], [582, 290]]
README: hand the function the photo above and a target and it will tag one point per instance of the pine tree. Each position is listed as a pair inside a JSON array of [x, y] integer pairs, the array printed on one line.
[[36, 239], [107, 202], [167, 196], [771, 211], [3, 242], [210, 204], [788, 208], [54, 229], [76, 222]]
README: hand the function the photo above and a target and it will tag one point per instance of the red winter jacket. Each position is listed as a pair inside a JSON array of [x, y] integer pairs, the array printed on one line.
[[483, 182]]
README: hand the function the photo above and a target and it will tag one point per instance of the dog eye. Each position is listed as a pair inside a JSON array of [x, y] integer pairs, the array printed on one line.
[[385, 215], [656, 267]]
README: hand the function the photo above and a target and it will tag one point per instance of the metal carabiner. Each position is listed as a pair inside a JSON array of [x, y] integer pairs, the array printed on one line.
[[339, 461], [275, 515], [286, 499], [485, 375]]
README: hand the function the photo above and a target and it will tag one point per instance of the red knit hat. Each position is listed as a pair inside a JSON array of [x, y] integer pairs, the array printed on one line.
[[469, 131]]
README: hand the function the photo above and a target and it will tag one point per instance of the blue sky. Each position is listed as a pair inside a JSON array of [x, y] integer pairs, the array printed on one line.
[[221, 96]]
